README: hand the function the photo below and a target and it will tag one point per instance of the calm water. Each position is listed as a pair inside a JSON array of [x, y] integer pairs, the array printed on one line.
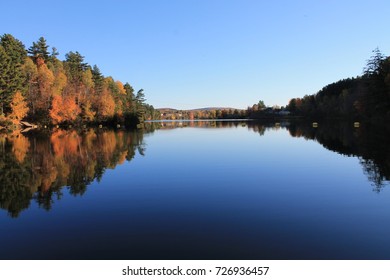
[[201, 190]]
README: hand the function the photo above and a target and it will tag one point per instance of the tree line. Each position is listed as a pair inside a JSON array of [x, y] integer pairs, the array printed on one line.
[[366, 97], [37, 86]]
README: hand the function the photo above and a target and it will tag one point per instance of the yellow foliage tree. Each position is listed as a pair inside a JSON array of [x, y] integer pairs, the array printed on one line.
[[106, 105], [19, 108], [45, 82]]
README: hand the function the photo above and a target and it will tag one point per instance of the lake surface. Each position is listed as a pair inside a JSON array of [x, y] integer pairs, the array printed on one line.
[[197, 190]]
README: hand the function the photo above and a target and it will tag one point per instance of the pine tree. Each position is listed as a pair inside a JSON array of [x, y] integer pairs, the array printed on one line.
[[75, 66], [98, 79], [140, 105], [39, 49], [12, 57]]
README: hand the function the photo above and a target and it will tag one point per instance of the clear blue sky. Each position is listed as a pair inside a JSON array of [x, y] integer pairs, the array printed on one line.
[[197, 53]]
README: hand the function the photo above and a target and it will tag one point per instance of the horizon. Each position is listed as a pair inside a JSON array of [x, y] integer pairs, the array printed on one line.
[[198, 54]]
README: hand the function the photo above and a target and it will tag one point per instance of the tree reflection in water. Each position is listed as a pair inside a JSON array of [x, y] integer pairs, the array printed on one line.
[[38, 166], [368, 142]]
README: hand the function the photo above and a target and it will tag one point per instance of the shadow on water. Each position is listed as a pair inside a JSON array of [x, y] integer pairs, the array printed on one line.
[[38, 166]]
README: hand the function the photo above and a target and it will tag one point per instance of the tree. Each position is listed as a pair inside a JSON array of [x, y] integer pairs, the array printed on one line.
[[54, 53], [5, 64], [12, 57], [63, 109], [129, 105], [378, 93], [60, 81], [30, 73], [140, 105], [120, 87], [373, 66], [19, 108], [98, 79], [75, 67], [292, 106], [63, 90], [261, 105], [45, 83], [106, 105], [39, 49]]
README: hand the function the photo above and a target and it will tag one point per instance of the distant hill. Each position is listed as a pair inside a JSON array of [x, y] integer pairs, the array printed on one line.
[[197, 109], [166, 109], [202, 113], [213, 108]]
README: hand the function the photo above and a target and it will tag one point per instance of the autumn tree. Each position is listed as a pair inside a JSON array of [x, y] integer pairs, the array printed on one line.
[[19, 108], [62, 91], [87, 90], [106, 106], [60, 80], [45, 83], [30, 72], [63, 109]]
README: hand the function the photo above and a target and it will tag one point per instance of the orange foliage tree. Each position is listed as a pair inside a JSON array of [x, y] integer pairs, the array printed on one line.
[[106, 105], [121, 88], [64, 109], [19, 108], [45, 82]]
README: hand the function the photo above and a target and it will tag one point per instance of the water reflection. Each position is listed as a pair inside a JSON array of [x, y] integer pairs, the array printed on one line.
[[37, 167], [368, 142]]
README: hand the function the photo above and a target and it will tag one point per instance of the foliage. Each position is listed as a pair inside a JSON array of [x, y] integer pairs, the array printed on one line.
[[63, 91], [39, 49], [12, 57], [365, 97], [19, 108], [64, 109]]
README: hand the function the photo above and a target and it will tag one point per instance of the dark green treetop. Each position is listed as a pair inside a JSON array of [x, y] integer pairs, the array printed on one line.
[[39, 49]]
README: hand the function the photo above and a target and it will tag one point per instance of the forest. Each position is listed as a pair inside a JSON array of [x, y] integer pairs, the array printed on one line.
[[38, 87], [366, 97]]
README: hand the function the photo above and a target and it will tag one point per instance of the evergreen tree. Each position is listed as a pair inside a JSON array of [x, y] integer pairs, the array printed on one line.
[[98, 79], [129, 106], [12, 57], [140, 105], [54, 53], [261, 105], [75, 67], [39, 49]]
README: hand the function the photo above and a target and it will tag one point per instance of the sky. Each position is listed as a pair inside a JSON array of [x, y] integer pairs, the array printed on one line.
[[189, 54]]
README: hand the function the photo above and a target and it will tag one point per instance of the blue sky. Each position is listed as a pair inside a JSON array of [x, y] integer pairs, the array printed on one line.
[[188, 54]]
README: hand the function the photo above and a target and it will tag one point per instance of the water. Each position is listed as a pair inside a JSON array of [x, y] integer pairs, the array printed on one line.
[[200, 190]]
